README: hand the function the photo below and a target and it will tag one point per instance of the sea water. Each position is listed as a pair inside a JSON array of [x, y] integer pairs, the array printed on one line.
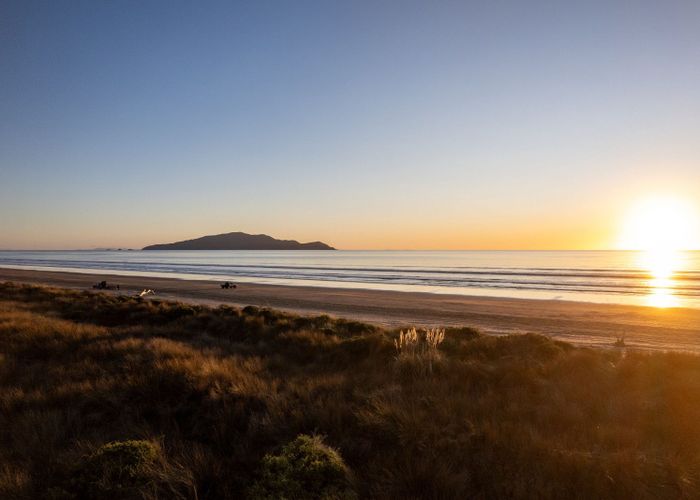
[[597, 276]]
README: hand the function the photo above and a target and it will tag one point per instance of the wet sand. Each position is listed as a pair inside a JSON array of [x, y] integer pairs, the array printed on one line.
[[576, 322]]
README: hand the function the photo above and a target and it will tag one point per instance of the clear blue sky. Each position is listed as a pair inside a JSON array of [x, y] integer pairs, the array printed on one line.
[[364, 124]]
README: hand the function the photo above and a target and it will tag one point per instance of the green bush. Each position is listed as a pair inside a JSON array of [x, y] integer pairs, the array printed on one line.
[[306, 468], [120, 469]]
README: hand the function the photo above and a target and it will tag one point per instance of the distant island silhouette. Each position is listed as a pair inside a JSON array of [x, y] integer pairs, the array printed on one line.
[[239, 241]]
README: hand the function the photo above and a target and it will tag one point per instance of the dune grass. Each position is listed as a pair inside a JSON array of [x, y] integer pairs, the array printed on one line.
[[209, 395]]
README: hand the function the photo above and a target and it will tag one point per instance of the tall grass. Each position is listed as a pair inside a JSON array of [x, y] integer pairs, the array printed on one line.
[[217, 390], [419, 349]]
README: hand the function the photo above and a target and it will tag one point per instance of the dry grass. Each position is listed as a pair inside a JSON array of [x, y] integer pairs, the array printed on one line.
[[216, 390], [419, 351]]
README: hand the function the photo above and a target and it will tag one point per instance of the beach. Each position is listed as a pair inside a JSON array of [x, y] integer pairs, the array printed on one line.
[[580, 323]]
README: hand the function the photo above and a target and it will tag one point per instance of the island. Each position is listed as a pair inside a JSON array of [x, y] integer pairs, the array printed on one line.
[[239, 241]]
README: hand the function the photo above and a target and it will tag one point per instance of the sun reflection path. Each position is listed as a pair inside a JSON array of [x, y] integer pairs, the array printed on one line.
[[662, 266], [662, 294]]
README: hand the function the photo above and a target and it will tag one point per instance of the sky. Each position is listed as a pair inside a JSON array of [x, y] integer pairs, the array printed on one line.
[[364, 124]]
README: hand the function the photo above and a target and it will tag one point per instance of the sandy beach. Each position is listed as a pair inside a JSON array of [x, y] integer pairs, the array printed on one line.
[[576, 322]]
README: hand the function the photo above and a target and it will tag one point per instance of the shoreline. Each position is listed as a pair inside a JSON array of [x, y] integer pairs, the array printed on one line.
[[580, 323]]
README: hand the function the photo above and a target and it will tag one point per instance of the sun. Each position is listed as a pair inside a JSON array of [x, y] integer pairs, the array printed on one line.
[[661, 224], [660, 228]]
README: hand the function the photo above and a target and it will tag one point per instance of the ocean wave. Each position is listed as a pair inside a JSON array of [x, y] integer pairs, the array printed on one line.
[[571, 280]]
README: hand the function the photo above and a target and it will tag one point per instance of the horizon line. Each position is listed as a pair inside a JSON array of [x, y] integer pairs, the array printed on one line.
[[128, 249]]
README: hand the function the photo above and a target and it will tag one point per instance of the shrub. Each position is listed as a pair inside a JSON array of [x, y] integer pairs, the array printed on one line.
[[306, 468], [251, 310], [119, 469]]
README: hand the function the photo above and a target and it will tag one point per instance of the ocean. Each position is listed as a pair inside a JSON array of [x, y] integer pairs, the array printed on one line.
[[661, 280]]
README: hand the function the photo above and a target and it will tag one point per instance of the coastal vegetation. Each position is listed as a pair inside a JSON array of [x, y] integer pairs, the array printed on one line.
[[108, 396]]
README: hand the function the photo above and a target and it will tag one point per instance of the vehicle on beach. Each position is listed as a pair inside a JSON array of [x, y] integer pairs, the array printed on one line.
[[102, 285]]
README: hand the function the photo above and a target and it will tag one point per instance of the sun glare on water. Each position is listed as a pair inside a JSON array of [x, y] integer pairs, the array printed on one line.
[[660, 229]]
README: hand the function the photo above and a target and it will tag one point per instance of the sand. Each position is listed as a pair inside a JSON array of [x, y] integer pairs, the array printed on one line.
[[580, 323]]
